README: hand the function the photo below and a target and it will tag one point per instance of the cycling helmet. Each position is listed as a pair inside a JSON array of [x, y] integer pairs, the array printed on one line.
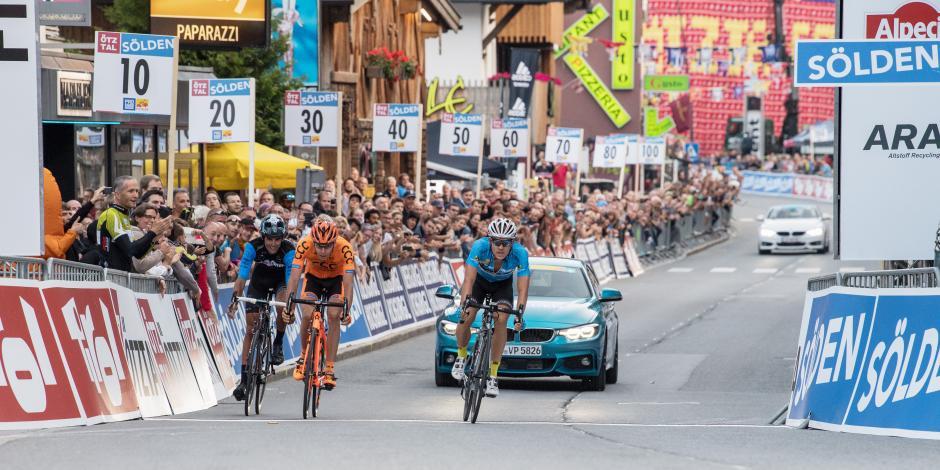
[[502, 228], [324, 231], [273, 226]]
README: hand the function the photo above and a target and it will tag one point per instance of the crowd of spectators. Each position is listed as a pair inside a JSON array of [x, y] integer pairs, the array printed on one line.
[[783, 163], [202, 245]]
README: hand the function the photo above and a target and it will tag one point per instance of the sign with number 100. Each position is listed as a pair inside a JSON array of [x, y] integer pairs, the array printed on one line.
[[461, 135], [653, 151], [563, 145], [221, 110], [395, 127], [509, 138], [311, 118], [133, 73]]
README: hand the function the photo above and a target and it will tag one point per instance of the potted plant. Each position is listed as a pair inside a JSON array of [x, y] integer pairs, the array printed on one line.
[[379, 63]]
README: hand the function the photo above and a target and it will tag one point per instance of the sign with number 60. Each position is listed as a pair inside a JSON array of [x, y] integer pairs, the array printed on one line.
[[133, 73], [509, 138], [221, 110], [311, 118]]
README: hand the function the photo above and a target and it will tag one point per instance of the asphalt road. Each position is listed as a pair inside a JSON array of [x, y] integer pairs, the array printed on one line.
[[707, 349]]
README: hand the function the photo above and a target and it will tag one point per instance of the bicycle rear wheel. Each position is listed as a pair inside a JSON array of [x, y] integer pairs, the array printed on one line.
[[309, 375], [264, 364]]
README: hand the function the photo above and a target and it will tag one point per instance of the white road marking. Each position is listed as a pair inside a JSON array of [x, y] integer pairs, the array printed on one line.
[[313, 422], [659, 403], [723, 270], [808, 270], [680, 270], [852, 269], [765, 271]]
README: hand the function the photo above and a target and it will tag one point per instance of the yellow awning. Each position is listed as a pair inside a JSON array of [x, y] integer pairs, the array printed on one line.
[[227, 167]]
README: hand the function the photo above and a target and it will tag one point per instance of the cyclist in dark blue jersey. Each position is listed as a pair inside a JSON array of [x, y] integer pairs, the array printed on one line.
[[488, 271]]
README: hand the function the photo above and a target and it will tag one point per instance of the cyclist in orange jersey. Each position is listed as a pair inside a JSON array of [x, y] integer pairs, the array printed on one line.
[[327, 264]]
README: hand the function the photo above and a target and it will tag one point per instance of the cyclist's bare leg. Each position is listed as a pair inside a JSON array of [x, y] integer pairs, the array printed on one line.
[[467, 316], [499, 337], [281, 297], [332, 335], [250, 319], [305, 316]]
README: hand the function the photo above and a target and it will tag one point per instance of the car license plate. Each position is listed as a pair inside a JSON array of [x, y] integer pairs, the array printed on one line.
[[791, 240], [522, 350]]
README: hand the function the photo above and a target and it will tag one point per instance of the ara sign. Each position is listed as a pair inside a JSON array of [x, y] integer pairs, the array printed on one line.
[[869, 62], [867, 362]]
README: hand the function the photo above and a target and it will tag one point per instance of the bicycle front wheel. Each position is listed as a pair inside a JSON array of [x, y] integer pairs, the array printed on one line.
[[320, 358], [264, 365], [252, 375], [309, 374], [480, 373]]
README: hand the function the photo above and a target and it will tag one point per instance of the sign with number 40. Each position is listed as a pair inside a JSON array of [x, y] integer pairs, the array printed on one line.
[[395, 127], [222, 110]]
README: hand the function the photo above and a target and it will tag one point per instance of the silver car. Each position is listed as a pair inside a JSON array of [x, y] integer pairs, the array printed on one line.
[[793, 228]]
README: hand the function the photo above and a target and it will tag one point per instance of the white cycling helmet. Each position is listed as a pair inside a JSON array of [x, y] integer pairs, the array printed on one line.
[[502, 228]]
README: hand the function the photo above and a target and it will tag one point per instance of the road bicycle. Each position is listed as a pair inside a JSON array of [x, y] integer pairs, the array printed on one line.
[[478, 368], [315, 353], [259, 354]]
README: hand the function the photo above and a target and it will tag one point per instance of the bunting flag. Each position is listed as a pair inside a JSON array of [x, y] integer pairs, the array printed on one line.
[[676, 56], [738, 54], [705, 57], [770, 53]]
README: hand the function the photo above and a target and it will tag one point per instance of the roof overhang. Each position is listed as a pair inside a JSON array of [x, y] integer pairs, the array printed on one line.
[[444, 12]]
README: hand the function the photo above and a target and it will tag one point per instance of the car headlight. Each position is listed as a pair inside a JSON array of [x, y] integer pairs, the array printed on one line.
[[449, 328], [764, 232], [580, 333], [814, 232]]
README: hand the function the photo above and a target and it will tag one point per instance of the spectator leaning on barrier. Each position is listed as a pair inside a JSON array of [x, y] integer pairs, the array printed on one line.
[[114, 223]]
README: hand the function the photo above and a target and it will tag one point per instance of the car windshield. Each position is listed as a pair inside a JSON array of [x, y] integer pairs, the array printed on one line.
[[793, 212], [557, 281]]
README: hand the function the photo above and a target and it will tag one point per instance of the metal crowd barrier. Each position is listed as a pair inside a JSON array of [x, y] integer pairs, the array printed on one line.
[[54, 269], [681, 232], [894, 279]]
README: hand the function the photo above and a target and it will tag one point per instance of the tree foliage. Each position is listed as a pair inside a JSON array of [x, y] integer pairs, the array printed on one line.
[[261, 63]]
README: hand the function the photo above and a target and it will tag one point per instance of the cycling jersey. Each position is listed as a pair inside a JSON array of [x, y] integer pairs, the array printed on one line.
[[482, 258], [271, 270], [340, 261], [114, 226]]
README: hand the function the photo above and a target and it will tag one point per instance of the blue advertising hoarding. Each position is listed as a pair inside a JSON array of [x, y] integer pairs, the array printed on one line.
[[868, 362], [300, 21]]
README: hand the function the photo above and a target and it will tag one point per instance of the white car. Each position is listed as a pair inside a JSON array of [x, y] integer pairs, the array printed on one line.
[[793, 228]]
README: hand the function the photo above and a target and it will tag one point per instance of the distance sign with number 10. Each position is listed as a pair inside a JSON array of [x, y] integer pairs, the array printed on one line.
[[509, 138], [461, 135], [311, 118], [221, 110], [133, 73]]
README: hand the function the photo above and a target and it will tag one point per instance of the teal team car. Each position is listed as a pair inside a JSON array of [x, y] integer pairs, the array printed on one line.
[[570, 329]]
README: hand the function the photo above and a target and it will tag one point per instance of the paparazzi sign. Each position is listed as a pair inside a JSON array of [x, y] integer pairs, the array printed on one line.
[[311, 118], [461, 135], [133, 73], [509, 138], [21, 128], [395, 127], [563, 145], [221, 110], [889, 135]]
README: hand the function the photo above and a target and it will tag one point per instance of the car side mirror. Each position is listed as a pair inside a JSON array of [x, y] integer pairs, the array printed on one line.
[[611, 295], [446, 291], [761, 218]]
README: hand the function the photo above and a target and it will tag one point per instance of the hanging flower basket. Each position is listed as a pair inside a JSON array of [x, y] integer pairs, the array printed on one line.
[[374, 71], [392, 65]]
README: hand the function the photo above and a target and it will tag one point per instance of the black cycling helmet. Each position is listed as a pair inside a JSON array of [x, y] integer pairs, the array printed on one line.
[[273, 226]]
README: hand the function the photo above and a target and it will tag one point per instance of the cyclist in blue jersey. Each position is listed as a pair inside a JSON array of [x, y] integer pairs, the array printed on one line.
[[488, 271], [267, 263]]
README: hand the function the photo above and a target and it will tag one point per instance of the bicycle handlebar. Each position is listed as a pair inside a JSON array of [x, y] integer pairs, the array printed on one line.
[[492, 307], [250, 300], [319, 303]]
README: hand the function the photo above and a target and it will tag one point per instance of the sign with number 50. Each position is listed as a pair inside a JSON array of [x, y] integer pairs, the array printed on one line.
[[133, 73], [222, 110]]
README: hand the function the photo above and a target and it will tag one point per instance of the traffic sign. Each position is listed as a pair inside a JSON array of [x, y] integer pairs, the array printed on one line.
[[509, 138], [563, 145], [610, 151], [653, 151], [221, 110], [691, 151], [461, 135], [20, 130], [395, 127], [133, 73], [311, 118]]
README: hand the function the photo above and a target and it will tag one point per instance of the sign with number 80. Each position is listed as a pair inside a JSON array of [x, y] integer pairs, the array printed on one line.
[[311, 118], [221, 110]]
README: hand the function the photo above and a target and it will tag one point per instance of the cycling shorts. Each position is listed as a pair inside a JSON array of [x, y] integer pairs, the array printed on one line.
[[322, 288], [499, 291], [261, 294]]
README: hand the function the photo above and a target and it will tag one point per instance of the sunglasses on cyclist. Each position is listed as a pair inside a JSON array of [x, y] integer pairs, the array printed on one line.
[[323, 246], [274, 239], [502, 243]]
